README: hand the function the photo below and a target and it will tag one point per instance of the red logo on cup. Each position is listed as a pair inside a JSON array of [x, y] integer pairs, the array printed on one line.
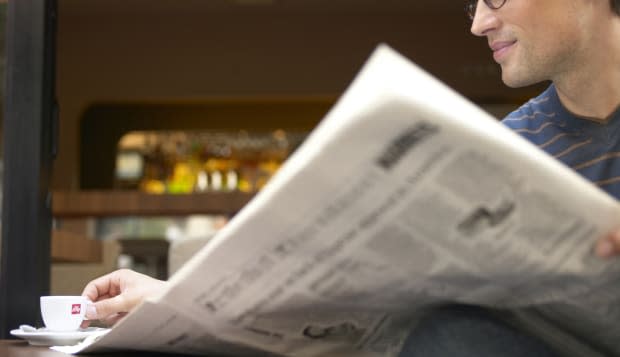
[[76, 309]]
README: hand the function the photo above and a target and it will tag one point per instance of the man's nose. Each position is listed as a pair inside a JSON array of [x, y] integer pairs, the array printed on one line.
[[485, 20]]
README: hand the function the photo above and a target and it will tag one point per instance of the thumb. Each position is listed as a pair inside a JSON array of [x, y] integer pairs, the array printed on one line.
[[101, 309]]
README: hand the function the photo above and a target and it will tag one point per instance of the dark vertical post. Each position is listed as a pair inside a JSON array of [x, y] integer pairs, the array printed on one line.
[[30, 122]]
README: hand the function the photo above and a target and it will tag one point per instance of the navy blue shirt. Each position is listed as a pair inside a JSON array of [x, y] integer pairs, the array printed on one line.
[[588, 147]]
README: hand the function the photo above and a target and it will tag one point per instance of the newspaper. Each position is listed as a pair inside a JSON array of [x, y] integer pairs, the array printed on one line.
[[404, 197]]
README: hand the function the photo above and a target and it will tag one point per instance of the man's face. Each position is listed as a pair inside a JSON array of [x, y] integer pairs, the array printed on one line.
[[536, 40]]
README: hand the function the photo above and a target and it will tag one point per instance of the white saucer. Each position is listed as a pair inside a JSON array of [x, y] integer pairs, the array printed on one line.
[[43, 337]]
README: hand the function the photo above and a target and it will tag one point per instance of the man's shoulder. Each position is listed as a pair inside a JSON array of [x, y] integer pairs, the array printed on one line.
[[533, 110]]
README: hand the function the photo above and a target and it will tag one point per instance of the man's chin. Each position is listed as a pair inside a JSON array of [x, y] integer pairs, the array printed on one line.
[[513, 85], [516, 81]]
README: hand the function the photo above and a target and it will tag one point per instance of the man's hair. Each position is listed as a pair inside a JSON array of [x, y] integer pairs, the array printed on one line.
[[615, 5]]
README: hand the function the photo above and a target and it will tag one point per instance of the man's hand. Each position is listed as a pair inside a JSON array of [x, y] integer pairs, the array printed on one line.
[[115, 294], [608, 246]]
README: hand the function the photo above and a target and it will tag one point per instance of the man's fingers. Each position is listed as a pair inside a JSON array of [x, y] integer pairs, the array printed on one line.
[[609, 246], [107, 285], [115, 294], [111, 320], [103, 309]]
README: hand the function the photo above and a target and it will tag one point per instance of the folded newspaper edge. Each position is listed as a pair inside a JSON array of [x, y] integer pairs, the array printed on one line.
[[404, 197]]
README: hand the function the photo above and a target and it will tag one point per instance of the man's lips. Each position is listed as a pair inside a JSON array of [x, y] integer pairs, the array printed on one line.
[[501, 48]]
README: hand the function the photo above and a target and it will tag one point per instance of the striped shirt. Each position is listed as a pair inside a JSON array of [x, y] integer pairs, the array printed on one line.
[[588, 147], [593, 150]]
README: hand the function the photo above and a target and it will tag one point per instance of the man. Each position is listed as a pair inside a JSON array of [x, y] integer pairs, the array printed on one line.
[[576, 45], [573, 43]]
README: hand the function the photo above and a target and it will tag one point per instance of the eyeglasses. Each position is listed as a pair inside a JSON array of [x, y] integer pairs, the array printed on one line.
[[470, 7]]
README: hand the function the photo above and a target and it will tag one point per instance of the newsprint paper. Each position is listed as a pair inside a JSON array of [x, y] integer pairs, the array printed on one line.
[[406, 196]]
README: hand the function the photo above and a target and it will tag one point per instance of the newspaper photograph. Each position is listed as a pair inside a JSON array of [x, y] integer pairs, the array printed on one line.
[[406, 196]]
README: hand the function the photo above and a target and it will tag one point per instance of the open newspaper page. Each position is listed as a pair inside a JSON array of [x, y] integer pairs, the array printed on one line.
[[405, 196]]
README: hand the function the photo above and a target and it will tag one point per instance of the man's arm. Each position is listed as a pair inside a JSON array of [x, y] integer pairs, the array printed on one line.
[[115, 294]]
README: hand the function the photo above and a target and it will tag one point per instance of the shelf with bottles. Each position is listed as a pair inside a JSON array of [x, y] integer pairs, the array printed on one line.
[[183, 162], [107, 203]]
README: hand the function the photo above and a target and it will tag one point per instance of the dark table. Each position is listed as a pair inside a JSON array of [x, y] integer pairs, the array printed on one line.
[[20, 348]]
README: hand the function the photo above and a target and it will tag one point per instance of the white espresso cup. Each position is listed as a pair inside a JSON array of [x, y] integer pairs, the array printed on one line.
[[63, 313]]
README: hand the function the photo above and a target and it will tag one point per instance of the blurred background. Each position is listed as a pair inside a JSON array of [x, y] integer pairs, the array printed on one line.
[[174, 113]]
